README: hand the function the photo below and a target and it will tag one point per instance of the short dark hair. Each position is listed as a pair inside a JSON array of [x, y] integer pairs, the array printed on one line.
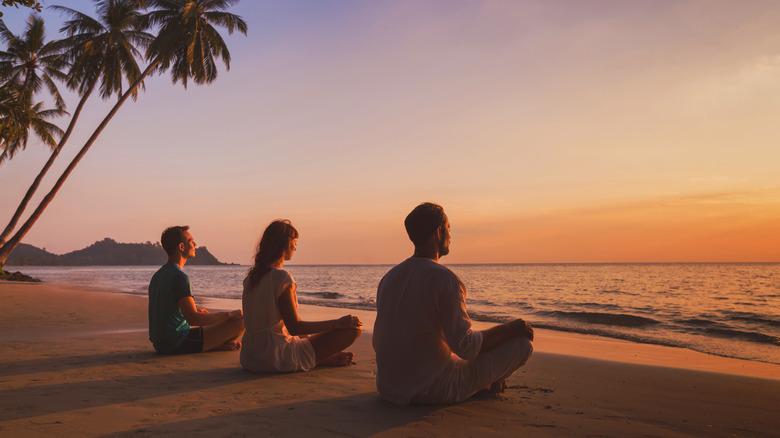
[[424, 220], [172, 237]]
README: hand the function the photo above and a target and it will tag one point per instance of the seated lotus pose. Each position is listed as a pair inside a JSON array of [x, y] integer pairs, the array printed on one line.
[[426, 350], [276, 340], [176, 325]]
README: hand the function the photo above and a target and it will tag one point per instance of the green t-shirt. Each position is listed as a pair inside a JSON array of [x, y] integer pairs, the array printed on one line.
[[167, 326]]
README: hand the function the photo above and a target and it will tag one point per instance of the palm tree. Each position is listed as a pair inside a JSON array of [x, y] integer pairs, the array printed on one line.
[[98, 50], [104, 50], [188, 43], [27, 66], [31, 61], [19, 116]]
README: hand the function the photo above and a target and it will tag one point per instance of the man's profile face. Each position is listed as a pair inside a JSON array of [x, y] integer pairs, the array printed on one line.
[[444, 243], [188, 246]]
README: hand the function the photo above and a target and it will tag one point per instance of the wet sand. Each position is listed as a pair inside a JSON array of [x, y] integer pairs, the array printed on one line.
[[78, 363]]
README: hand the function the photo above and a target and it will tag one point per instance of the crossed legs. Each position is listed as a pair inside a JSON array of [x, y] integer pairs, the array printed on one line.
[[461, 378], [223, 335], [328, 346]]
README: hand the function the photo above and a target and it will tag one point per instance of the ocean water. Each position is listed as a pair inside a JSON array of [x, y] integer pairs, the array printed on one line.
[[730, 309]]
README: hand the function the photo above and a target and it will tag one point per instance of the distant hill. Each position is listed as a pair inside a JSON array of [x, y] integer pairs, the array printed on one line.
[[106, 252]]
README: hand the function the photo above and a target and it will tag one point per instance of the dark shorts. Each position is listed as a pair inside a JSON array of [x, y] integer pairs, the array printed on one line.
[[193, 343]]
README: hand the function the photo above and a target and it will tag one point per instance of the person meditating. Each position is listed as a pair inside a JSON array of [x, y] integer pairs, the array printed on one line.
[[276, 340], [426, 350], [176, 325]]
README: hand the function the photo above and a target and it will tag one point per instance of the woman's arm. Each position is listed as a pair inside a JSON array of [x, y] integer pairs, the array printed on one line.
[[288, 307]]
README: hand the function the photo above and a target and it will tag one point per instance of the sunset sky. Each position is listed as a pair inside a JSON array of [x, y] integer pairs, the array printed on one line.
[[566, 131]]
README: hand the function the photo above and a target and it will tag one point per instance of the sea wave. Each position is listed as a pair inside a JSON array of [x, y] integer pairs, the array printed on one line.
[[756, 319], [596, 305], [361, 305], [757, 337], [482, 302], [520, 304], [631, 337], [616, 319], [324, 294], [489, 317], [696, 322], [618, 292], [638, 338]]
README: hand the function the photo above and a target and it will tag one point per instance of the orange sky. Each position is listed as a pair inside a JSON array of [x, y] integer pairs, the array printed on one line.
[[712, 228]]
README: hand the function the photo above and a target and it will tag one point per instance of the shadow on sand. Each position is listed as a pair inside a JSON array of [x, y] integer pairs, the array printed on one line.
[[361, 414], [36, 400], [65, 363]]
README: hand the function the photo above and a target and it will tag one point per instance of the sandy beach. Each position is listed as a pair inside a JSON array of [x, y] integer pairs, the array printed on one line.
[[78, 363]]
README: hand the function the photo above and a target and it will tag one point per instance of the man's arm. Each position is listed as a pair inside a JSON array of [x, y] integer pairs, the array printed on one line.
[[201, 317], [455, 323], [495, 336]]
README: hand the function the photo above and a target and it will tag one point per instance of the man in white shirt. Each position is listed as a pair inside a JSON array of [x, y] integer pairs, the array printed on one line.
[[426, 350]]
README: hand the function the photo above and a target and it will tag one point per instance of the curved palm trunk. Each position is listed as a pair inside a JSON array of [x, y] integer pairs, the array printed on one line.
[[34, 186], [9, 246]]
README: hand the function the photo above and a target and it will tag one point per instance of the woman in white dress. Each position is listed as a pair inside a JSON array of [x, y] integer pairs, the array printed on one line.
[[276, 340]]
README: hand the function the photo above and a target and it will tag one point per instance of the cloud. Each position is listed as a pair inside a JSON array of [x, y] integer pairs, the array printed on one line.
[[766, 65]]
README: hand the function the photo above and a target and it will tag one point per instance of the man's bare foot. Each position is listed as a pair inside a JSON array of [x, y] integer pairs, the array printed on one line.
[[343, 359], [498, 387], [229, 346], [495, 389]]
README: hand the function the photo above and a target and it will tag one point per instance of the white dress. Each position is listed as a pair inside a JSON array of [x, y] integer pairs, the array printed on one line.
[[267, 346]]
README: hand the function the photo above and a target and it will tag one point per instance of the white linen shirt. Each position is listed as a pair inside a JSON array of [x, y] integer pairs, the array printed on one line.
[[421, 321]]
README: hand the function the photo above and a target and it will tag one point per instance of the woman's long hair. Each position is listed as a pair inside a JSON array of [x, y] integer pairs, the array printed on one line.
[[272, 247]]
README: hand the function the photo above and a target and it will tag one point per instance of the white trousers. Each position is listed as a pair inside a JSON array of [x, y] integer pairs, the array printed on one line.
[[461, 379]]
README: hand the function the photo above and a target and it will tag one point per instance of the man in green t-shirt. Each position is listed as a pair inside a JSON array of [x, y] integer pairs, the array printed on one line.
[[176, 325]]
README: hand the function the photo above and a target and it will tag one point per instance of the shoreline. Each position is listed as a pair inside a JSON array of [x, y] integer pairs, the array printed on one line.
[[554, 341], [655, 312], [99, 375]]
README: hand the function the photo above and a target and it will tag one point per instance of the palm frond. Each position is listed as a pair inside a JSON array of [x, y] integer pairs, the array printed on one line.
[[54, 91], [46, 131], [230, 22], [188, 43], [6, 35], [31, 63], [19, 117], [105, 49], [79, 23]]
